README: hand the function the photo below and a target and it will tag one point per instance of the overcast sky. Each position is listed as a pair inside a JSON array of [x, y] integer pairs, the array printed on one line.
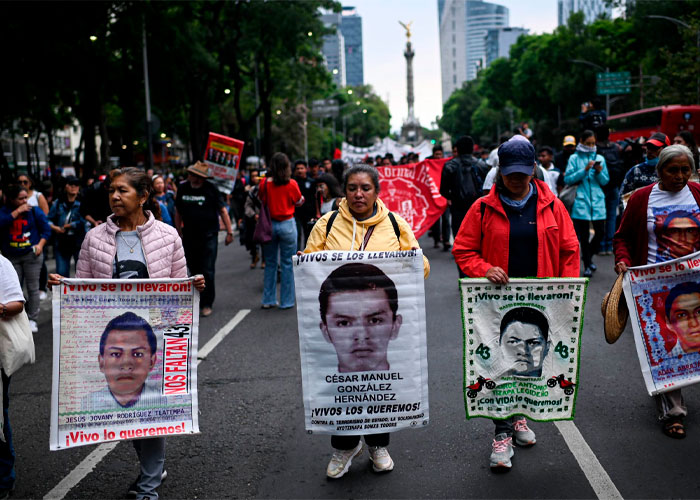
[[384, 41]]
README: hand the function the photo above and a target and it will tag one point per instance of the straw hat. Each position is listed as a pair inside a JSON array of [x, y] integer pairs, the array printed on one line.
[[200, 169], [614, 310]]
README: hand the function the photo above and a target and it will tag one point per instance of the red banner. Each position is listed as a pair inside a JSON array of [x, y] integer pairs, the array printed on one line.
[[223, 155], [413, 192]]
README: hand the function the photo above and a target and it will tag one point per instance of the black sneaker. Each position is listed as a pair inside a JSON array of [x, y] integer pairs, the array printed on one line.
[[588, 273], [134, 490]]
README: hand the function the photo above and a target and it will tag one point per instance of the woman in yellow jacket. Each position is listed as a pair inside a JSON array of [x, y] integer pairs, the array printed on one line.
[[362, 222]]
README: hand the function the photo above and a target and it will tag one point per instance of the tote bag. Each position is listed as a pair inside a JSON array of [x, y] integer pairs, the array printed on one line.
[[263, 228], [16, 343]]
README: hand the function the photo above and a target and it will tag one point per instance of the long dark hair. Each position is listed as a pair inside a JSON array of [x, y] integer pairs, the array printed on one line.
[[139, 180], [280, 169]]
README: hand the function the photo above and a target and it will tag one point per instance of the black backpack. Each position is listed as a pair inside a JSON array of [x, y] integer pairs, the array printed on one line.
[[397, 230], [614, 163], [470, 188]]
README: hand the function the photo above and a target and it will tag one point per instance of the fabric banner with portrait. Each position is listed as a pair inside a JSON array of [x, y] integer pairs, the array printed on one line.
[[413, 192], [124, 360], [522, 347], [223, 155], [664, 304], [362, 341]]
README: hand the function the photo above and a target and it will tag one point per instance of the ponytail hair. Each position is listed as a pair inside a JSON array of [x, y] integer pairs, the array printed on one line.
[[139, 180]]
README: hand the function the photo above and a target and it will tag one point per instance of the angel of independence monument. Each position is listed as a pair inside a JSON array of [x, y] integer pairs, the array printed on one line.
[[411, 131]]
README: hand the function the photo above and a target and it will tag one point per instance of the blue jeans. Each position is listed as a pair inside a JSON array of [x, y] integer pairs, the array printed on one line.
[[611, 202], [284, 244], [63, 261], [7, 449]]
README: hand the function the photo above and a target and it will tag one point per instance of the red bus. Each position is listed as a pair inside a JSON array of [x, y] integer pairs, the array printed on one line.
[[667, 119]]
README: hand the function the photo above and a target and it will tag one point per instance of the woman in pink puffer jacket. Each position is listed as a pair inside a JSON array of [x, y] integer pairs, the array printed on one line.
[[134, 244]]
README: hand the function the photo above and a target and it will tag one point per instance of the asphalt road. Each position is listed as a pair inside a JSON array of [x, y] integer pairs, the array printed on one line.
[[253, 443]]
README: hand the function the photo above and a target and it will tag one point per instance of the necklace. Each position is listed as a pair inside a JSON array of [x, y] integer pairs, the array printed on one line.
[[131, 247]]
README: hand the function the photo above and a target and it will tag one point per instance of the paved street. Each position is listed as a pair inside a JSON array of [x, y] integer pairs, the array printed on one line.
[[253, 443]]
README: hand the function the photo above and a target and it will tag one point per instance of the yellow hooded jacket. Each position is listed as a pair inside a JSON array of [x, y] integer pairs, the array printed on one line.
[[347, 233]]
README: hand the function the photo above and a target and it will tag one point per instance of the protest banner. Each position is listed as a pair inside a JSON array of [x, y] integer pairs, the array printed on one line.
[[223, 155], [522, 346], [362, 341], [413, 192], [664, 304], [124, 360]]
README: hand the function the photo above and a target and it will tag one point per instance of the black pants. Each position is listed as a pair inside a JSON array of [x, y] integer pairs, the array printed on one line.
[[589, 246], [200, 252], [458, 216], [349, 442], [440, 231]]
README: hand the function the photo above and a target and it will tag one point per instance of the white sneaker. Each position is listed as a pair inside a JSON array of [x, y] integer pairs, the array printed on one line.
[[341, 460], [42, 295], [381, 460], [502, 451], [33, 326], [524, 436]]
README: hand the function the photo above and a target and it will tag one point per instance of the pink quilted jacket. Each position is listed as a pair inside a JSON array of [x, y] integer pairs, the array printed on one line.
[[165, 257]]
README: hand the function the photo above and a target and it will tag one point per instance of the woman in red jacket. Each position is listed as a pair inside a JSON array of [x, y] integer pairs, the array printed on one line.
[[520, 229], [661, 222]]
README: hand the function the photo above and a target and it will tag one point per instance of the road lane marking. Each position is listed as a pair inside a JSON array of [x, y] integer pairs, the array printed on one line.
[[595, 473], [95, 457]]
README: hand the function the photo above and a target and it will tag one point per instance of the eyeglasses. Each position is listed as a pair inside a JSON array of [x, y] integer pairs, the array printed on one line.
[[26, 181]]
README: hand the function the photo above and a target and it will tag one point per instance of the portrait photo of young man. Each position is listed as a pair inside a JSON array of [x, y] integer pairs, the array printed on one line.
[[359, 304], [682, 308], [524, 341], [126, 357]]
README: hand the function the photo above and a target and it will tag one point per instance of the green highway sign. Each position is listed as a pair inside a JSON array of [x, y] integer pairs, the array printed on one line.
[[613, 83]]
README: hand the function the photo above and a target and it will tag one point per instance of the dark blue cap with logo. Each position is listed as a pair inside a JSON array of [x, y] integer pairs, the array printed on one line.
[[516, 156]]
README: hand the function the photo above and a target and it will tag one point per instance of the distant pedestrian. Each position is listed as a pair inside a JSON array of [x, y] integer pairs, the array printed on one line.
[[198, 206], [561, 159], [461, 182], [24, 231], [306, 212], [616, 170], [520, 229], [165, 198], [685, 138], [644, 174], [68, 226], [251, 216], [592, 116], [588, 170], [281, 194]]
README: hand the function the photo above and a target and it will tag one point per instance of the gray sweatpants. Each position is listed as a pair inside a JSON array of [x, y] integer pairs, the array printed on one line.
[[670, 404], [151, 452], [28, 267]]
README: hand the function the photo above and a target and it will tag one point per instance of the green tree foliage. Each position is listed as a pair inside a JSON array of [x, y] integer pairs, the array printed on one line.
[[83, 60], [541, 82]]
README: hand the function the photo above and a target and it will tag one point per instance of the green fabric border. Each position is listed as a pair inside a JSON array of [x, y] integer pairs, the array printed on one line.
[[578, 357]]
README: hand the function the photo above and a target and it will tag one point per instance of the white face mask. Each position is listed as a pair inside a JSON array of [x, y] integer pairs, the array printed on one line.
[[586, 149]]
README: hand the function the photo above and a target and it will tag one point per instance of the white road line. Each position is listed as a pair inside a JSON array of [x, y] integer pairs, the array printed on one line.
[[221, 334], [95, 457], [595, 473]]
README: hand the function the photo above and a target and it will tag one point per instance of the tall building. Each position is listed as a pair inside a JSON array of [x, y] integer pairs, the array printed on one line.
[[351, 28], [334, 49], [464, 25], [499, 41], [592, 10], [342, 50]]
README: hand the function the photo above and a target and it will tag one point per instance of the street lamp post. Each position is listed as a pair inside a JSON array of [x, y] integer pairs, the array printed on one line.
[[697, 41], [597, 66]]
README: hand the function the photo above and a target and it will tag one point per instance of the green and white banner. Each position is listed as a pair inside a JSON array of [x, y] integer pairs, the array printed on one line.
[[522, 345]]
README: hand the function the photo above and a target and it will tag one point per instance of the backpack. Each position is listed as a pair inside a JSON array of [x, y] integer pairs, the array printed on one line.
[[614, 163], [392, 218], [470, 188]]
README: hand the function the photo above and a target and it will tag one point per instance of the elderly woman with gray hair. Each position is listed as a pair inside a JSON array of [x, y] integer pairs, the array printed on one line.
[[662, 222]]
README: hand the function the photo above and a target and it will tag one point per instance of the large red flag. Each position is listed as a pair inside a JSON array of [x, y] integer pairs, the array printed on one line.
[[413, 192]]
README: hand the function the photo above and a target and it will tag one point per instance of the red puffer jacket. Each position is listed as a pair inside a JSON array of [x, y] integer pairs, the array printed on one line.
[[482, 241]]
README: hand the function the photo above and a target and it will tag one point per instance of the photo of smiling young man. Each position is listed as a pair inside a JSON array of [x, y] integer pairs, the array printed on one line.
[[127, 356], [359, 305]]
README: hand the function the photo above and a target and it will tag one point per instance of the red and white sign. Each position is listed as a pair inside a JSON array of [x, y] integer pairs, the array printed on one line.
[[413, 192]]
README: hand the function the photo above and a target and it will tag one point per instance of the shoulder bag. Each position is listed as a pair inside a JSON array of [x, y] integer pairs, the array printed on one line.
[[263, 228]]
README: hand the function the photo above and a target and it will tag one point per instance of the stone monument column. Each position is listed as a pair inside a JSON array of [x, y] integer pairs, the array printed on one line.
[[411, 131]]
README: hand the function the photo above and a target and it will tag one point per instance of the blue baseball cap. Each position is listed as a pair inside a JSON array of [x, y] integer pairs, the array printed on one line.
[[516, 155]]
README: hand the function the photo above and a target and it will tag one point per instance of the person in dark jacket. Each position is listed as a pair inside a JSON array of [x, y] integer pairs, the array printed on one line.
[[307, 211], [68, 226], [24, 231], [616, 170], [461, 181]]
